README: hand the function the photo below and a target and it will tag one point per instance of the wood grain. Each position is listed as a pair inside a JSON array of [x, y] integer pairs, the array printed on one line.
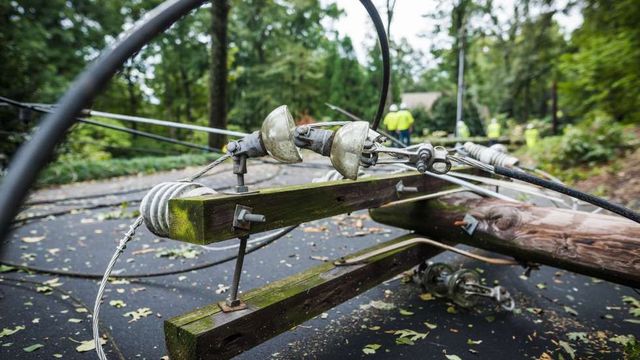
[[603, 246], [208, 219]]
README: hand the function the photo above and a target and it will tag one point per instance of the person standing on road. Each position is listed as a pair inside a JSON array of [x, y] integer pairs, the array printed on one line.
[[493, 131], [463, 130], [531, 136], [391, 120], [405, 124]]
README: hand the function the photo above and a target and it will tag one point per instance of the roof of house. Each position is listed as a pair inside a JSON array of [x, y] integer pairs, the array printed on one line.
[[420, 99]]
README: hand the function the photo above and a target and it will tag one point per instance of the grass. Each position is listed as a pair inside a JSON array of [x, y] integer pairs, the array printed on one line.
[[59, 173]]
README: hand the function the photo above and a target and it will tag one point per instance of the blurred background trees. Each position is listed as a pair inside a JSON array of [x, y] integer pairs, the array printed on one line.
[[520, 69]]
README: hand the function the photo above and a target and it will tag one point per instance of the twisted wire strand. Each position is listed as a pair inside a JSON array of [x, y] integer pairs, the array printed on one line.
[[120, 248]]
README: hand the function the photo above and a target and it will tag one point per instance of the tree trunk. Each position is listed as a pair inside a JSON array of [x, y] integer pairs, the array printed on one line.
[[219, 71], [598, 245], [554, 107]]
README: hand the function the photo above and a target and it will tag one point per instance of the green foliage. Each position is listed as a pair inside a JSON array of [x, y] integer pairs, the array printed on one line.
[[80, 170], [596, 140], [604, 72], [443, 116]]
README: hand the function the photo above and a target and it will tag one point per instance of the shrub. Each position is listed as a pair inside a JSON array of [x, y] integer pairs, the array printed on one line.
[[596, 139], [64, 172]]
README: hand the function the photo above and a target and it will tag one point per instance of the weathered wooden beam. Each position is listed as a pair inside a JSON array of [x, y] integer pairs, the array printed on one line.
[[208, 333], [208, 219], [603, 246]]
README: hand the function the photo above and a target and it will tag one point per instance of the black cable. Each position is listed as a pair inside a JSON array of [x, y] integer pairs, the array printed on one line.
[[594, 200], [386, 59], [143, 275], [67, 295]]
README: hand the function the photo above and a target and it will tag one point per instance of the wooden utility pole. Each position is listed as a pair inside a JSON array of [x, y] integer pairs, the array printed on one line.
[[219, 72], [391, 4], [460, 23], [604, 246]]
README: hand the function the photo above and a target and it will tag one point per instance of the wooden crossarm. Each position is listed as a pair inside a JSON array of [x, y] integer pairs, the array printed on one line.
[[208, 219]]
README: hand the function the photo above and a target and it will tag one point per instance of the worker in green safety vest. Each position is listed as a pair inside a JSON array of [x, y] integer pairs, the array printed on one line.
[[493, 131], [405, 124], [462, 130], [531, 136], [391, 120]]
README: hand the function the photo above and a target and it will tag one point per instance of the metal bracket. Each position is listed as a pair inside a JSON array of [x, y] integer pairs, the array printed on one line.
[[227, 308], [244, 216], [470, 224]]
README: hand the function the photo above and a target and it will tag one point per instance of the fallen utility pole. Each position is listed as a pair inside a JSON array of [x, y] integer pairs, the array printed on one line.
[[603, 246]]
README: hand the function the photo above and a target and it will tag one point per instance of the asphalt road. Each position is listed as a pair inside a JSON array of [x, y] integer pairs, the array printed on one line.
[[557, 311]]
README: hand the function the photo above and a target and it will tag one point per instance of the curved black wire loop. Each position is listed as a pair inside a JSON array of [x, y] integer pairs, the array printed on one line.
[[386, 59]]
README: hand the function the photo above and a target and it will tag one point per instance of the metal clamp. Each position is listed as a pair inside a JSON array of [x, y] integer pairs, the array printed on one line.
[[469, 224], [462, 286]]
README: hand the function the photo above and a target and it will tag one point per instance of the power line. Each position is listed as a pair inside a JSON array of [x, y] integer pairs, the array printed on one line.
[[47, 109]]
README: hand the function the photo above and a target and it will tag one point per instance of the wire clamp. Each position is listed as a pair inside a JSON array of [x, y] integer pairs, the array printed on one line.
[[469, 224]]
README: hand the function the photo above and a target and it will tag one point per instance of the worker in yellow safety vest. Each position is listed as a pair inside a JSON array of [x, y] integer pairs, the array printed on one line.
[[391, 120], [531, 136], [405, 124], [493, 131], [463, 130]]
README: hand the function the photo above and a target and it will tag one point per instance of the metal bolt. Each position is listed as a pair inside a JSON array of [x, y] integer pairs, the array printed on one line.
[[247, 216]]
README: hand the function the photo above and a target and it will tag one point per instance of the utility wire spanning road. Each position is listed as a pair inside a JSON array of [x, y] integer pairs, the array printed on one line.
[[552, 305]]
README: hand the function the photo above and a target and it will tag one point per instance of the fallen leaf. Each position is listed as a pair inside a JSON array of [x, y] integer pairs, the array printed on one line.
[[32, 239], [6, 268], [570, 310], [8, 331], [410, 334], [138, 314], [568, 349], [74, 320], [430, 325], [623, 340], [452, 357], [405, 312], [378, 304], [474, 342], [371, 348], [311, 229], [32, 348], [89, 345], [427, 296], [578, 336], [117, 303], [319, 258]]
